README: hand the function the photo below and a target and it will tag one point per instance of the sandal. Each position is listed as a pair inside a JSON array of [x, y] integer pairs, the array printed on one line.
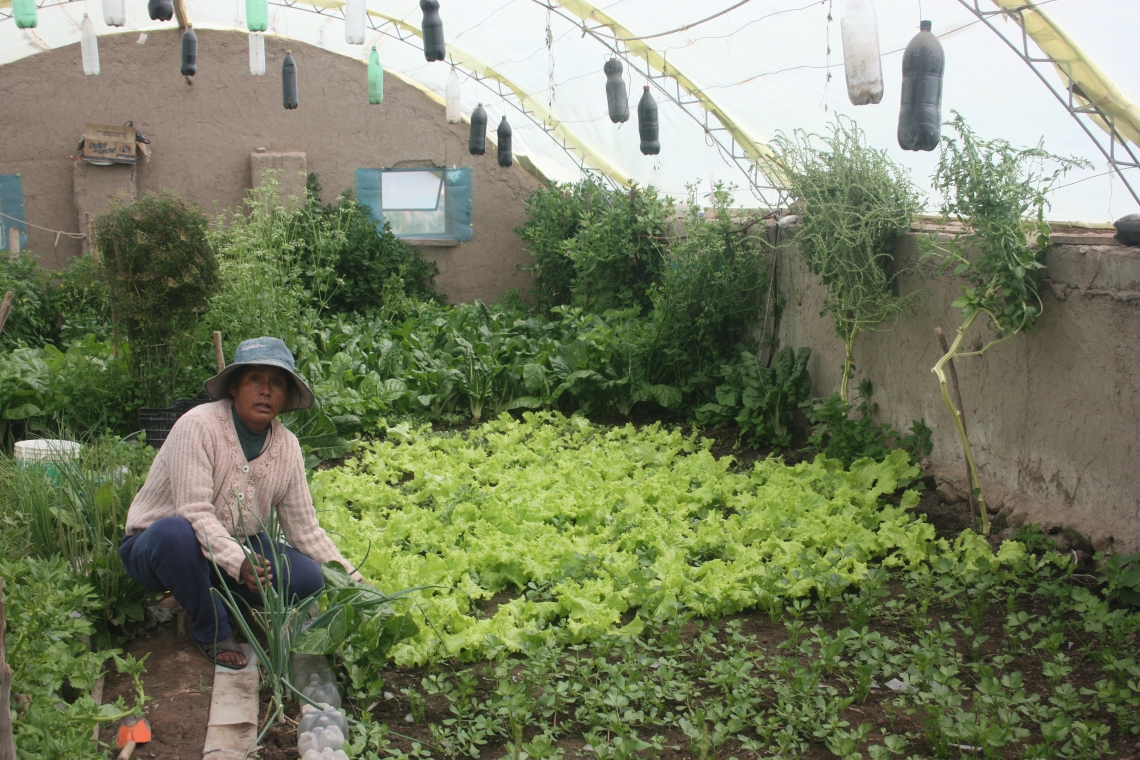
[[228, 644]]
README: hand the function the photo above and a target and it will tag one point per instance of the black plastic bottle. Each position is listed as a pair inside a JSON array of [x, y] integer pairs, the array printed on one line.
[[506, 158], [647, 124], [477, 142], [434, 48], [189, 53], [289, 82], [615, 92], [920, 117], [160, 10]]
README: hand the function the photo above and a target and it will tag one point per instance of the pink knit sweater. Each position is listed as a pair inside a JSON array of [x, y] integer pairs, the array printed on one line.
[[201, 474]]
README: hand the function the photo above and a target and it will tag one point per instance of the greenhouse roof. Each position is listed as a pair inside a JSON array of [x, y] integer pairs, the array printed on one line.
[[724, 85]]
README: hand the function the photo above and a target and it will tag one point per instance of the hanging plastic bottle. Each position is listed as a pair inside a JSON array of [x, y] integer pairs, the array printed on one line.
[[861, 63], [114, 12], [289, 86], [257, 15], [189, 52], [90, 47], [453, 116], [920, 117], [477, 142], [506, 158], [647, 125], [375, 78], [432, 28], [355, 13], [160, 10], [25, 13], [257, 54], [616, 96]]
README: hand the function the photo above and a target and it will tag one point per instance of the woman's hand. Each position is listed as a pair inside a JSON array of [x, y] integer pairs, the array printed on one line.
[[251, 574]]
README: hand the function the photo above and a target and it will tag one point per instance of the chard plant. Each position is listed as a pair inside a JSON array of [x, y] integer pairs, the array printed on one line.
[[1000, 193], [855, 202]]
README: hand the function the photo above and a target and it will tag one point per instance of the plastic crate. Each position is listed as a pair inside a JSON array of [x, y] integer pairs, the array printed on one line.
[[158, 422]]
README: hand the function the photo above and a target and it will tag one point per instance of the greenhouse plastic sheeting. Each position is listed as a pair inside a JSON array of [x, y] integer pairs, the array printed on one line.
[[768, 66]]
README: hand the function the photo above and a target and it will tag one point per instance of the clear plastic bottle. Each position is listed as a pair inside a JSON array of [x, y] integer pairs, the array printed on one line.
[[477, 142], [320, 738], [114, 12], [257, 15], [432, 29], [375, 81], [616, 97], [323, 717], [89, 47], [328, 754], [355, 12], [920, 117], [452, 92], [25, 13], [861, 61], [257, 54], [647, 124], [289, 100], [320, 689]]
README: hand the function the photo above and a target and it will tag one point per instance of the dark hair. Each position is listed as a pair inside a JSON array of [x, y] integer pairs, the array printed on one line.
[[292, 392]]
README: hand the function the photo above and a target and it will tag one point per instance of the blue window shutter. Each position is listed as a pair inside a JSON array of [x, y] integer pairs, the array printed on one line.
[[368, 193], [12, 208], [459, 203]]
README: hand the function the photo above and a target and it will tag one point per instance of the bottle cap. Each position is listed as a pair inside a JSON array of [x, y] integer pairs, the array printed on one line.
[[925, 26]]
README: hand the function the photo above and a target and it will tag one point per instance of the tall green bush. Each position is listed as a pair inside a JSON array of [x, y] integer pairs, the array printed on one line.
[[29, 323], [594, 247], [161, 273], [855, 203]]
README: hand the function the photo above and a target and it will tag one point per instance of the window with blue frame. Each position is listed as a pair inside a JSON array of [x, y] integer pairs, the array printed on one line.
[[419, 204], [12, 210]]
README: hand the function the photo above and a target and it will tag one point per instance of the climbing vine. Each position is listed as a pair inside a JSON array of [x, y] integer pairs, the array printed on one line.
[[1001, 193], [855, 202]]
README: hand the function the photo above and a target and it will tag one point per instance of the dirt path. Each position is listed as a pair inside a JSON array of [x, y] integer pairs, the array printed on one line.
[[178, 680]]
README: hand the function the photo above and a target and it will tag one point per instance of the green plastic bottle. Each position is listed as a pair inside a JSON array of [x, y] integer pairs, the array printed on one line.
[[25, 13], [375, 78], [257, 15]]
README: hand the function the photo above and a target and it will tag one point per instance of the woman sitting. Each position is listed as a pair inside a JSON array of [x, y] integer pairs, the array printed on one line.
[[223, 467]]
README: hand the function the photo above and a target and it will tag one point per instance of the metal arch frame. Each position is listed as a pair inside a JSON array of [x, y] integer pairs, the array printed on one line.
[[1071, 98], [754, 159], [587, 161]]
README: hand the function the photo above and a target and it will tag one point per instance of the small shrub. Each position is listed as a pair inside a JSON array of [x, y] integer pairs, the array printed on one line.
[[29, 323], [839, 435]]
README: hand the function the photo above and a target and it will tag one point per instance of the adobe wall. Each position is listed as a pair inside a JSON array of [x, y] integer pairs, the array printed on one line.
[[203, 135], [1053, 416]]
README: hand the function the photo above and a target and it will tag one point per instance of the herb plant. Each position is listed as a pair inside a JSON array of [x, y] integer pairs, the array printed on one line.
[[1001, 193], [855, 203]]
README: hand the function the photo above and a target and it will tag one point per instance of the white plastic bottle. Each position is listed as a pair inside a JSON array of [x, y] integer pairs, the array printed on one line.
[[355, 12], [453, 97], [114, 12], [320, 738], [861, 52], [89, 47], [257, 54]]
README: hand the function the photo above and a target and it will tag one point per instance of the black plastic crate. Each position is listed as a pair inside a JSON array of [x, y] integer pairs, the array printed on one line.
[[157, 422]]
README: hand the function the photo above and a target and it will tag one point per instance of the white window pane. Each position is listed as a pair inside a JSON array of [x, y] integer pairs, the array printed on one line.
[[411, 191]]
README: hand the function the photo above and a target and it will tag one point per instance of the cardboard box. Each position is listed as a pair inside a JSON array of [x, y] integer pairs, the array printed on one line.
[[107, 145]]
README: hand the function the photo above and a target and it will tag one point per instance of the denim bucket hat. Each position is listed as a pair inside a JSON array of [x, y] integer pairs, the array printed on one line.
[[263, 352]]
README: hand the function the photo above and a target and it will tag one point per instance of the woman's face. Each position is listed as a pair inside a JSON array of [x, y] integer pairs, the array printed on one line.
[[259, 395]]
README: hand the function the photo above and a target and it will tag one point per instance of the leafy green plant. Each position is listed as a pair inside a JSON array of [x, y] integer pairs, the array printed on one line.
[[29, 323], [855, 203], [762, 400], [161, 273], [839, 435], [1122, 578], [46, 611], [1001, 192]]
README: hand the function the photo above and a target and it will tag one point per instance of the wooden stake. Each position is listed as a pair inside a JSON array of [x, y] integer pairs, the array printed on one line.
[[5, 308], [97, 696], [960, 411], [219, 354], [7, 741], [14, 240]]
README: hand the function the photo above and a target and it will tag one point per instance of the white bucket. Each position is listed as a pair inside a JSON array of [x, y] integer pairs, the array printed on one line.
[[46, 450]]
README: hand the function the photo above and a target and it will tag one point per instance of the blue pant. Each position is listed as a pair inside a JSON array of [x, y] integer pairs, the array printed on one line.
[[167, 556]]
